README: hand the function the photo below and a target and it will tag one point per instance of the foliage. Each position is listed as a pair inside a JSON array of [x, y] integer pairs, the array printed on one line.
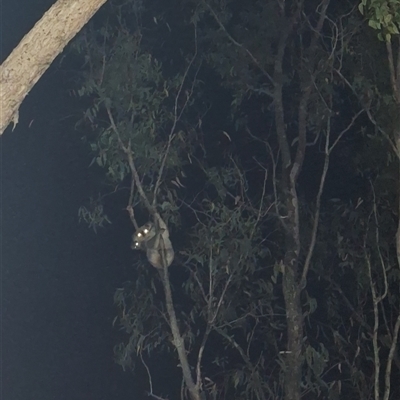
[[94, 216], [383, 15], [275, 285]]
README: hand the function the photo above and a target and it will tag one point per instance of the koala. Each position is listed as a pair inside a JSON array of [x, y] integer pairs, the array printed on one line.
[[153, 238]]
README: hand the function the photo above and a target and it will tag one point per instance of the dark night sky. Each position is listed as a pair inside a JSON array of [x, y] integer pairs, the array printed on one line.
[[58, 277]]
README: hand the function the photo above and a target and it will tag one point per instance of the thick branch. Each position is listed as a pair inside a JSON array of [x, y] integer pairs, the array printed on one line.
[[392, 353], [278, 103], [37, 50], [392, 69], [375, 302], [178, 340], [306, 86]]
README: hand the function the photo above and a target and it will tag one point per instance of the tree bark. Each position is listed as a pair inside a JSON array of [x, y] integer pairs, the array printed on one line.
[[37, 50]]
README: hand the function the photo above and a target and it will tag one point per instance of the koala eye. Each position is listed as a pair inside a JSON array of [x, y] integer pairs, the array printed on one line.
[[139, 235], [146, 230]]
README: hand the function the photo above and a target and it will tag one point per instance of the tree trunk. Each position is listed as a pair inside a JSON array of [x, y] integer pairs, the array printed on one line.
[[294, 321], [37, 50]]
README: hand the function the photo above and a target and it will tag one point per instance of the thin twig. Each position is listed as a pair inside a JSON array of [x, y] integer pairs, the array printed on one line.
[[128, 151], [328, 150], [176, 119], [370, 117], [256, 62]]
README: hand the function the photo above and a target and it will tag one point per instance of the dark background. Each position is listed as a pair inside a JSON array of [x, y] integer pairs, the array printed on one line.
[[58, 277]]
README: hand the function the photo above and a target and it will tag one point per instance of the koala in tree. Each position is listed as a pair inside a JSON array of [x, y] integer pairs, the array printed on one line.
[[153, 238]]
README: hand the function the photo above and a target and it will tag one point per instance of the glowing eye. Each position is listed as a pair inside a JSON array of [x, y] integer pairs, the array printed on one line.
[[146, 230], [139, 235]]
